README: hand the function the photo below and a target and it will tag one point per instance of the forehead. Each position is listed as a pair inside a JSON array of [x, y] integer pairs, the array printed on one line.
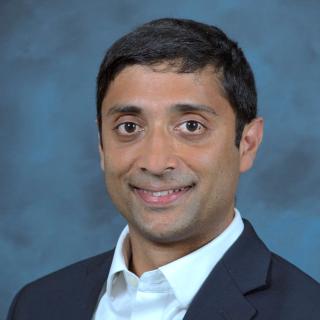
[[158, 88]]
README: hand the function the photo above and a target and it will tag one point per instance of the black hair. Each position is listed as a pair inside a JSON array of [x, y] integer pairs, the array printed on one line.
[[187, 46]]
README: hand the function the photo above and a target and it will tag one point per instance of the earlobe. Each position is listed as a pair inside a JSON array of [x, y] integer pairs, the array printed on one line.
[[250, 142]]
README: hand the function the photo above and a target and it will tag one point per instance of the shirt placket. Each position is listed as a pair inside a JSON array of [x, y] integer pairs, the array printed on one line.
[[152, 292]]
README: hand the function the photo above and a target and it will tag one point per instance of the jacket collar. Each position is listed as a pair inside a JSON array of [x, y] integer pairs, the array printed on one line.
[[94, 279], [243, 269]]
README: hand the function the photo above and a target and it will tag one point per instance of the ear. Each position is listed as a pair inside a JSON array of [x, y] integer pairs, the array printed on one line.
[[101, 154], [250, 141]]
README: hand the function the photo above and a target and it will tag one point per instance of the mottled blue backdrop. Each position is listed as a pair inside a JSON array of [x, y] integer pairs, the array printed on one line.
[[54, 209]]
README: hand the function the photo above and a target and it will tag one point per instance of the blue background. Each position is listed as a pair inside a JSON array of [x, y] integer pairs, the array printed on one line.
[[54, 208]]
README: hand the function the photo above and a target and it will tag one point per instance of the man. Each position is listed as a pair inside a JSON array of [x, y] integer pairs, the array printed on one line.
[[177, 117]]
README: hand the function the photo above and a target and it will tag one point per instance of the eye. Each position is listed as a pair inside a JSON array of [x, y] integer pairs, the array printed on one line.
[[128, 128], [191, 127]]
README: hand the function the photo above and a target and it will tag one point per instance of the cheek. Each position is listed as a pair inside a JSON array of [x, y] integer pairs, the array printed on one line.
[[215, 162], [202, 159], [117, 162], [204, 162]]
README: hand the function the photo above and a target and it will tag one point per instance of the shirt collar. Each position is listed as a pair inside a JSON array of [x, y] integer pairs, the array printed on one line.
[[121, 258], [178, 271], [188, 267]]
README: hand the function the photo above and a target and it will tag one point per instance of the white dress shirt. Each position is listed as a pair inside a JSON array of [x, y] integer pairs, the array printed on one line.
[[164, 293]]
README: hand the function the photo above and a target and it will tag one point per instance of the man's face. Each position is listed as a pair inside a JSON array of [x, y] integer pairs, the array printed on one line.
[[169, 156]]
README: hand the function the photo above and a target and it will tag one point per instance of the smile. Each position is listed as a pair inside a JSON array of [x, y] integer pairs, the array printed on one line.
[[163, 197], [164, 193]]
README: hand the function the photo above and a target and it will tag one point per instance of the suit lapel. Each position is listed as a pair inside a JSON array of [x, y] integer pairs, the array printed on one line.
[[95, 275], [219, 299], [243, 269]]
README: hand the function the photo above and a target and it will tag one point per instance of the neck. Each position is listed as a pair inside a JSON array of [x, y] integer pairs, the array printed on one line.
[[147, 255]]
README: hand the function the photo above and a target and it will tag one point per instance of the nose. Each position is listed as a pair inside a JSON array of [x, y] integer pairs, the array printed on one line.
[[158, 154]]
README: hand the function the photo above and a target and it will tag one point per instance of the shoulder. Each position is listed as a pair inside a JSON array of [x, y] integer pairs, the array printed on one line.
[[62, 286], [292, 279], [276, 268], [71, 272], [288, 292], [273, 285]]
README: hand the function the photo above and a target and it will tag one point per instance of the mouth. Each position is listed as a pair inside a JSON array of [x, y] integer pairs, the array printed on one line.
[[161, 197]]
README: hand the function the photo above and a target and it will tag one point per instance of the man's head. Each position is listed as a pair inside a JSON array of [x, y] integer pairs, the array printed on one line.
[[170, 96], [186, 46]]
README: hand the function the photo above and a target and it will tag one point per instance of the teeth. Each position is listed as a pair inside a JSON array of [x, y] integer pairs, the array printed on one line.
[[163, 193], [160, 193]]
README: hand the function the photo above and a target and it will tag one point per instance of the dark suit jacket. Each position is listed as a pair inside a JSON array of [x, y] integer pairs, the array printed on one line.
[[249, 282]]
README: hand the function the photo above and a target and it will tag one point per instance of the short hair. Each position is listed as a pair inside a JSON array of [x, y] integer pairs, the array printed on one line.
[[187, 46]]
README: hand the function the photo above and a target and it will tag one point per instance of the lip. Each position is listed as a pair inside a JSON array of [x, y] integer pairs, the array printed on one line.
[[162, 196]]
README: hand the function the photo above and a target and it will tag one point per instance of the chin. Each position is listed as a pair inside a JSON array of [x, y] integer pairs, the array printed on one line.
[[163, 237], [166, 233]]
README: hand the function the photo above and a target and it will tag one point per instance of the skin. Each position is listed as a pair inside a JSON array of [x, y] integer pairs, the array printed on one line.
[[165, 131]]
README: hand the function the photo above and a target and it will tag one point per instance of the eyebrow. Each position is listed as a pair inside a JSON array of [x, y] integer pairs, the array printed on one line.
[[125, 109], [179, 107], [189, 107]]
